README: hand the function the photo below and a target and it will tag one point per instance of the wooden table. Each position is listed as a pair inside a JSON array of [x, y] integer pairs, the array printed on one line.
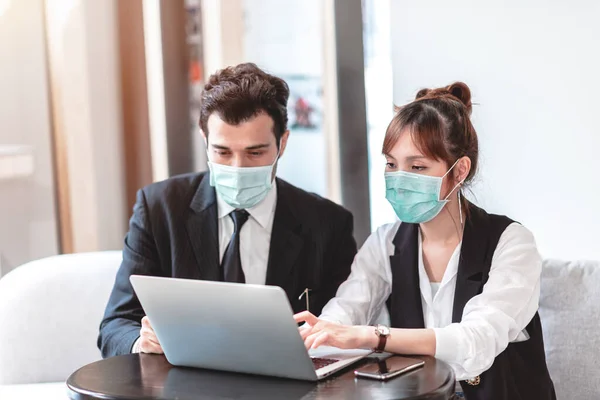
[[145, 376]]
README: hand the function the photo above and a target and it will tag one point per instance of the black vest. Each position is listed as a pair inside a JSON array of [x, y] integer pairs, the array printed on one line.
[[520, 371]]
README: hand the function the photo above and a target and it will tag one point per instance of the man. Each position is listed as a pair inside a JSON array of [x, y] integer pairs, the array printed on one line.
[[236, 223]]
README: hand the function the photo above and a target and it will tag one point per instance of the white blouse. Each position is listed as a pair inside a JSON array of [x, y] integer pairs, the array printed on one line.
[[490, 320]]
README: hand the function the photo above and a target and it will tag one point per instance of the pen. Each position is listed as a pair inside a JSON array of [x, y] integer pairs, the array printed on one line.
[[305, 293]]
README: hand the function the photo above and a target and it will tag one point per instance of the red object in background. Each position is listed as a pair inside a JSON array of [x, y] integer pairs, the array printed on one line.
[[303, 111], [195, 72]]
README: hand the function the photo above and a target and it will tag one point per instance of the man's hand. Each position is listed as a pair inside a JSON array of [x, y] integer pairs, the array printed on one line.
[[148, 340]]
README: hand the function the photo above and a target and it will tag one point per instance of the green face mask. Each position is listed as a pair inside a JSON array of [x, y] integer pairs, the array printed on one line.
[[415, 197], [241, 187]]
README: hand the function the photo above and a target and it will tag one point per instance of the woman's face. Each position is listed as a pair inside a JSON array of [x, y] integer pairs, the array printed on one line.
[[405, 156]]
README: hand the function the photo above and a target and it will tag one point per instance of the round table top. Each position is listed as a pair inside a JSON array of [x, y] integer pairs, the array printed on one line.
[[146, 376]]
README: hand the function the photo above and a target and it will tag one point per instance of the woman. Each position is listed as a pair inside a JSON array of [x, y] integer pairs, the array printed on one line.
[[460, 284]]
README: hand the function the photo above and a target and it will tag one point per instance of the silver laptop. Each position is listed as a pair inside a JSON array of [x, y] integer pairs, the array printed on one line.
[[233, 327]]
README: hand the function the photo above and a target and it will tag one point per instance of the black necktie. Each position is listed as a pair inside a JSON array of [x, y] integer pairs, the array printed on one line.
[[232, 263]]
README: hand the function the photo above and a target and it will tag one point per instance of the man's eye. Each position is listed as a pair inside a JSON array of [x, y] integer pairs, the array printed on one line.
[[256, 153], [390, 165], [418, 167]]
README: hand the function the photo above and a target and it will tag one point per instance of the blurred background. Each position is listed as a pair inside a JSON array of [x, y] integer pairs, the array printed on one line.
[[99, 98]]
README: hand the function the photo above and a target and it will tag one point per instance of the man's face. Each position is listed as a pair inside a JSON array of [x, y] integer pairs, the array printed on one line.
[[250, 144]]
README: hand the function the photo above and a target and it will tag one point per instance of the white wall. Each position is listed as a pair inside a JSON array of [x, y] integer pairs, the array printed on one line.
[[533, 68], [28, 225], [106, 127], [380, 102], [285, 36], [83, 52], [286, 39]]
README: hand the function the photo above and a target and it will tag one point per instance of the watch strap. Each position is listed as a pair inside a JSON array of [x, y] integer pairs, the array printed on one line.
[[382, 342]]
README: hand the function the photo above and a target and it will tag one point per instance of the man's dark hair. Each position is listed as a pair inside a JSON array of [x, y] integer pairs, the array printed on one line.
[[240, 93]]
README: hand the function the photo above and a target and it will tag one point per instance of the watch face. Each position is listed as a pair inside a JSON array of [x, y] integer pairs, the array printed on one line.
[[383, 330]]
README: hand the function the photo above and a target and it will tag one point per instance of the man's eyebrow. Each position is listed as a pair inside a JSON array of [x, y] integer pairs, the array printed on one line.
[[258, 146]]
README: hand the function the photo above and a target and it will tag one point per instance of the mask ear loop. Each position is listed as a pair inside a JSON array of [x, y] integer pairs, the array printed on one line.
[[459, 202], [447, 172], [460, 208], [453, 189]]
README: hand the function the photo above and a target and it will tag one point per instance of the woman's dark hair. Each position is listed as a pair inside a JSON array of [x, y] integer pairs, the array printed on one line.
[[439, 124], [240, 93]]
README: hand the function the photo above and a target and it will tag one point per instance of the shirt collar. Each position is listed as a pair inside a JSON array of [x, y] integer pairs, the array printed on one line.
[[449, 274], [262, 212]]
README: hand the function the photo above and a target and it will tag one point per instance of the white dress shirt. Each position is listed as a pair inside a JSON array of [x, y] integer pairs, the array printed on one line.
[[255, 236], [490, 320]]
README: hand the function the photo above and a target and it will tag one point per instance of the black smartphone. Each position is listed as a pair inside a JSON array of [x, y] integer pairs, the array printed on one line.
[[389, 368]]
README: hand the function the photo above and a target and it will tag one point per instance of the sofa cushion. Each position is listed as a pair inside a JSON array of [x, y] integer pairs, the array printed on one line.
[[46, 391], [570, 313], [50, 311]]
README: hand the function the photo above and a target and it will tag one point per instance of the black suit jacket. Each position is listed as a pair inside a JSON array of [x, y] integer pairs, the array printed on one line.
[[174, 233]]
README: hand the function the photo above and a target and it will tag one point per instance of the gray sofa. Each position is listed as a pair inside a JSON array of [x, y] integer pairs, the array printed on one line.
[[50, 310], [570, 313]]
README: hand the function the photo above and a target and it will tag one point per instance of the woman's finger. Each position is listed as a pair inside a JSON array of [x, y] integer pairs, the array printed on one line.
[[321, 339], [307, 317], [305, 331], [310, 339]]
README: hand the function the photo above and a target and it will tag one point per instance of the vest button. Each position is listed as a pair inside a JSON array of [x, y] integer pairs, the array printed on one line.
[[474, 381]]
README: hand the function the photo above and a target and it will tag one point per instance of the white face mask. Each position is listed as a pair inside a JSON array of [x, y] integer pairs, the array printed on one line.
[[242, 187]]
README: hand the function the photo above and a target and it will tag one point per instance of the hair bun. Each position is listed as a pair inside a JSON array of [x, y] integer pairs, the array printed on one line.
[[458, 90], [461, 91], [422, 93]]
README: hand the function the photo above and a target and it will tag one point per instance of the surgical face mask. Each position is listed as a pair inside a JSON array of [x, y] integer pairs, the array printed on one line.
[[242, 187], [414, 197]]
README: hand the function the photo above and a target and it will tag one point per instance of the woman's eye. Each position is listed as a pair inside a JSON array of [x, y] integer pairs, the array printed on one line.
[[418, 168], [390, 165]]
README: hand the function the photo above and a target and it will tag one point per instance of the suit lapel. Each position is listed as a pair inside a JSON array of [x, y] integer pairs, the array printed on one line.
[[471, 265], [407, 309], [203, 230], [285, 243]]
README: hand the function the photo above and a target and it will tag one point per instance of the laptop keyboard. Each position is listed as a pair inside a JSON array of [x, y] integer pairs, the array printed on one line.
[[322, 362]]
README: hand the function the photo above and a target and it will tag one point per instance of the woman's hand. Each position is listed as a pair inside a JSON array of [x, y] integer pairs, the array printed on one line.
[[323, 333]]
